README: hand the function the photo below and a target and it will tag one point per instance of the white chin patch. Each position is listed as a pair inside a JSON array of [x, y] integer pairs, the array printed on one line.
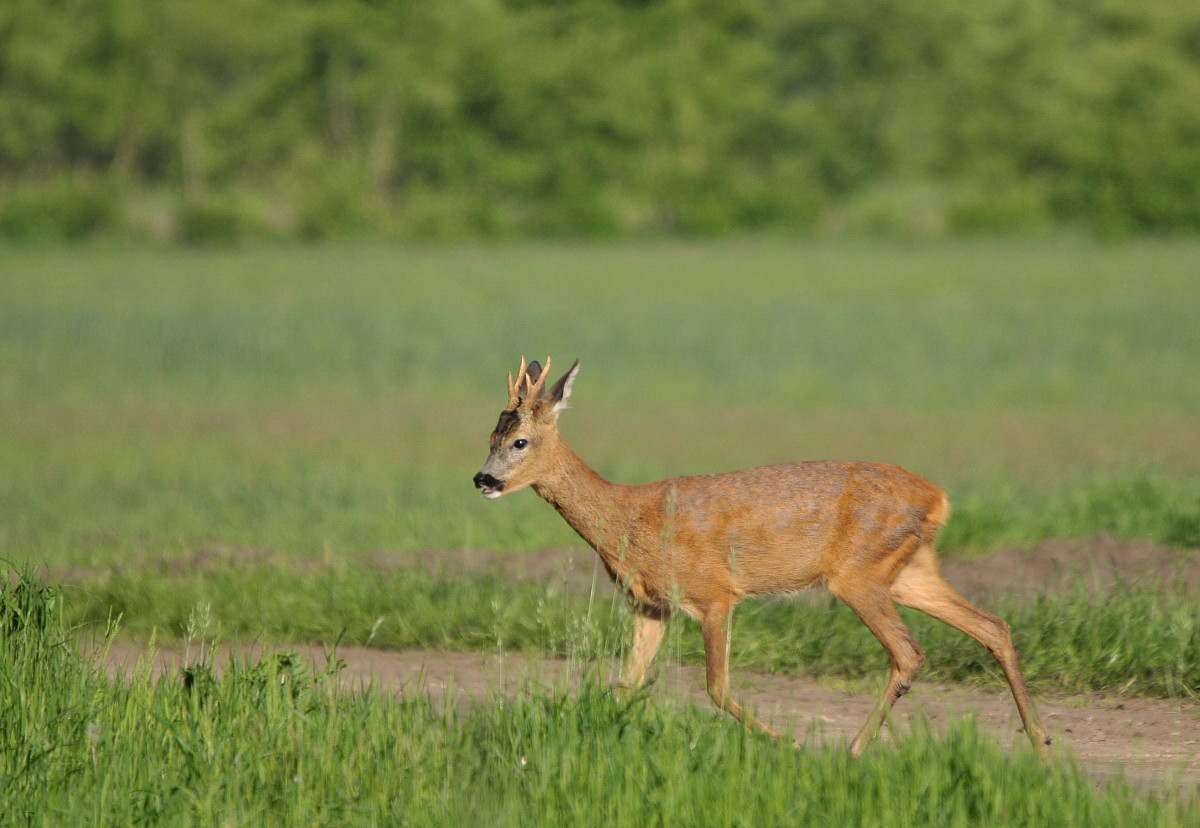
[[491, 494]]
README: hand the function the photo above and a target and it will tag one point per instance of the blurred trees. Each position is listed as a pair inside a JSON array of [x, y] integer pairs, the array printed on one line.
[[589, 117]]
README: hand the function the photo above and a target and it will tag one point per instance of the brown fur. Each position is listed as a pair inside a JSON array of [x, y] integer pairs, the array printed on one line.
[[699, 544]]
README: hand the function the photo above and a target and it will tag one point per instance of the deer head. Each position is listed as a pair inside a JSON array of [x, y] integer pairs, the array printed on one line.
[[523, 444]]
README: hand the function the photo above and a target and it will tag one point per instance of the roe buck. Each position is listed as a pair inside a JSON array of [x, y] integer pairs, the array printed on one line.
[[699, 544]]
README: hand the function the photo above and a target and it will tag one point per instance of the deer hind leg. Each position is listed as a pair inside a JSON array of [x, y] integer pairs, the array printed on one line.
[[717, 626], [649, 623], [873, 605], [921, 587]]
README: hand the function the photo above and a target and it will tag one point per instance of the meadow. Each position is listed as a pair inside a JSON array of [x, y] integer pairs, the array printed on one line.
[[325, 402], [253, 433]]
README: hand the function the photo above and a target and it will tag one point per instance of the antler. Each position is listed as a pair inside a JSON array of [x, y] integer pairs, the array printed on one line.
[[514, 396], [534, 389]]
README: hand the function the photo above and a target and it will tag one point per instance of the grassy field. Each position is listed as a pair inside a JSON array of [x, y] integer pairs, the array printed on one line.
[[1138, 640], [271, 742], [298, 415], [321, 405], [325, 402]]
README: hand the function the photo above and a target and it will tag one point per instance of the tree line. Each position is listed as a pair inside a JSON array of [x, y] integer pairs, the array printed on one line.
[[245, 118]]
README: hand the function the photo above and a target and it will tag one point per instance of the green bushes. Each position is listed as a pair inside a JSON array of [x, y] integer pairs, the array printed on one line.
[[67, 207], [597, 117]]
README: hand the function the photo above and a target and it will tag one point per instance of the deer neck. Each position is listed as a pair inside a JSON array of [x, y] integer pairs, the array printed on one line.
[[599, 511]]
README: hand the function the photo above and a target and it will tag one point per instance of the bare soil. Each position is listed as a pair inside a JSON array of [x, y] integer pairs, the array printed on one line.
[[1150, 742]]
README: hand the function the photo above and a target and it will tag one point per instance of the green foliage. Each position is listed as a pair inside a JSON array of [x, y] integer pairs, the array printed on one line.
[[599, 117], [276, 742], [28, 608], [209, 219], [68, 207]]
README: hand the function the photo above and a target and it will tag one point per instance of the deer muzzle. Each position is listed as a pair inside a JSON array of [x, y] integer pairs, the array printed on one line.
[[492, 488]]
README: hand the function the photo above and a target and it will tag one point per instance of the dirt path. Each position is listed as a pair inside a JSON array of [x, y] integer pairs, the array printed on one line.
[[1151, 742]]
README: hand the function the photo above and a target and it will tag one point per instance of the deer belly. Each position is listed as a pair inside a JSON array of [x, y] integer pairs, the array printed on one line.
[[762, 561], [774, 572]]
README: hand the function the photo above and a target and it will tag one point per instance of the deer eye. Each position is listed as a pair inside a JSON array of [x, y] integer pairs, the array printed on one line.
[[520, 444]]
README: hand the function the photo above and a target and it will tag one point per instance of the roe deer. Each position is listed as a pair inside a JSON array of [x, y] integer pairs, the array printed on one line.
[[701, 543]]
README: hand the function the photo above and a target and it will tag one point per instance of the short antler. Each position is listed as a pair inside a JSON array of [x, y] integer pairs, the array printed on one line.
[[534, 389], [514, 397]]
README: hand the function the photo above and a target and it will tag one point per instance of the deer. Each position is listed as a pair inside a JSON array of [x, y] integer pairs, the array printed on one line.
[[699, 544]]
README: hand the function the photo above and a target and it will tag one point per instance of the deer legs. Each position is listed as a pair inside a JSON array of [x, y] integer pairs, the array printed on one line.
[[717, 625], [648, 627], [918, 585], [649, 624], [874, 606], [921, 587]]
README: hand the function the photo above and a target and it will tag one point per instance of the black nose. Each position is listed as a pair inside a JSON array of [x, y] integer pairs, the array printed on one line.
[[482, 480]]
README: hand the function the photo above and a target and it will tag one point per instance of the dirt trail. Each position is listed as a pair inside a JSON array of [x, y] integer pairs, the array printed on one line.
[[1148, 741]]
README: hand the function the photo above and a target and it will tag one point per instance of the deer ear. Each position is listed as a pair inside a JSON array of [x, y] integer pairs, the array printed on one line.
[[533, 372], [560, 392], [528, 382]]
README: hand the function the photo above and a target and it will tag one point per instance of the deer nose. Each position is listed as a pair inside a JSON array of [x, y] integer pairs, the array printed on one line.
[[482, 480]]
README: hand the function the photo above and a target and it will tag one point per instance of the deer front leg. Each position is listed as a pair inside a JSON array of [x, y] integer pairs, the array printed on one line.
[[717, 628], [649, 623]]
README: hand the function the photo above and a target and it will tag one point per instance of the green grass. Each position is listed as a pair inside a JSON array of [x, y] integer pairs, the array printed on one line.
[[312, 406], [1139, 640], [1059, 327], [303, 413], [329, 401], [271, 742]]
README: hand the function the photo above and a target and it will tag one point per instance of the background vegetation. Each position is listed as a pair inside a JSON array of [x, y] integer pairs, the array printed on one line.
[[237, 118]]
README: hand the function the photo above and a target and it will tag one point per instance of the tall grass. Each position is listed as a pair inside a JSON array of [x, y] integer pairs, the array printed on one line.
[[272, 742], [1144, 640]]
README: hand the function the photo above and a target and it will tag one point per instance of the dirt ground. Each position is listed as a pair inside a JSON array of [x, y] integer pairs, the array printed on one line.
[[1150, 742]]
